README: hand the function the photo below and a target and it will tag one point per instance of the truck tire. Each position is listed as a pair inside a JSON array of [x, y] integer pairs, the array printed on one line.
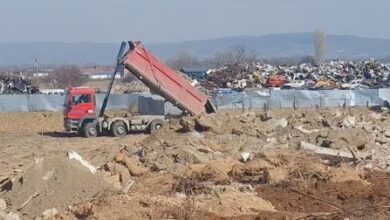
[[90, 130], [156, 125], [118, 129]]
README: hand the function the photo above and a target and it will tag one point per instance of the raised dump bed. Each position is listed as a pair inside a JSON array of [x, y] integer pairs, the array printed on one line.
[[164, 81]]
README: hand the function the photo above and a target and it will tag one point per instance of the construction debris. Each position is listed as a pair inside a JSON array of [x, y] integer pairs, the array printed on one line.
[[3, 205], [276, 164], [332, 152], [9, 216], [76, 156], [49, 213]]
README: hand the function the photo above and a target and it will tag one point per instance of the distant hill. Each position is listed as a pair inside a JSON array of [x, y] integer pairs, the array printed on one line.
[[273, 45]]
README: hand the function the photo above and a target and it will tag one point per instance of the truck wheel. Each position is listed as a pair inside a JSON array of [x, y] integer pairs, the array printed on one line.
[[119, 129], [156, 125], [90, 130]]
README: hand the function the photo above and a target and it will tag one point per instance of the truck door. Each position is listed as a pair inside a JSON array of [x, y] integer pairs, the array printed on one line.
[[82, 104]]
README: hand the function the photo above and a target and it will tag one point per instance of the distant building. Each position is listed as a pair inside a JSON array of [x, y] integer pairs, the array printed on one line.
[[99, 72], [41, 74], [52, 91], [195, 73]]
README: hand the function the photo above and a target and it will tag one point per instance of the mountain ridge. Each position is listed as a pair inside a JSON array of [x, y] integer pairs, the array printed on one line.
[[265, 46]]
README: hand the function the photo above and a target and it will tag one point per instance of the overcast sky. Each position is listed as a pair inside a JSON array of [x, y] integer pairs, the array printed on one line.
[[154, 21]]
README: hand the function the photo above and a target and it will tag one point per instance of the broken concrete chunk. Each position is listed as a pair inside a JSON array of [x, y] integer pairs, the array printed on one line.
[[3, 205], [9, 216], [376, 116], [248, 117], [272, 124], [323, 134], [331, 152], [49, 213], [387, 134], [326, 122], [245, 157], [187, 124], [74, 155], [349, 122], [305, 131]]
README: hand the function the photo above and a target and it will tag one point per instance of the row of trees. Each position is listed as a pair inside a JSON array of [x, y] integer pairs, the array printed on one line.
[[64, 76], [232, 55], [240, 54]]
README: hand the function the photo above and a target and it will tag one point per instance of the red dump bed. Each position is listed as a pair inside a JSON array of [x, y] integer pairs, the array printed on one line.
[[165, 81]]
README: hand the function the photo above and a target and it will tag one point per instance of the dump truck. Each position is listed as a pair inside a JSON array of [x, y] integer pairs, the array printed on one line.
[[81, 117]]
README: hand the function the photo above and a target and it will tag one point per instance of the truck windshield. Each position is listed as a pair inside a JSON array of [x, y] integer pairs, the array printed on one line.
[[80, 98]]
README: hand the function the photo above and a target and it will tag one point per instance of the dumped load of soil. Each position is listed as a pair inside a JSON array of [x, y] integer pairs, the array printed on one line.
[[53, 182]]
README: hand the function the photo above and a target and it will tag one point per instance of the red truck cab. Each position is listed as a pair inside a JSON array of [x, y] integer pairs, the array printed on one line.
[[79, 104]]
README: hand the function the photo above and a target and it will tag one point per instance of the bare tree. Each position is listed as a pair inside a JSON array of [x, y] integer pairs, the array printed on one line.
[[182, 59], [319, 47], [234, 55], [67, 75]]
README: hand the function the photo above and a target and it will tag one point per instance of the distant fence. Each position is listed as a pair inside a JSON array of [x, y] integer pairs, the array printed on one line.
[[143, 103], [256, 99], [302, 99]]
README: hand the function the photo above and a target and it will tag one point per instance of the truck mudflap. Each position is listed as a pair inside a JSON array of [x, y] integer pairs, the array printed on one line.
[[165, 81]]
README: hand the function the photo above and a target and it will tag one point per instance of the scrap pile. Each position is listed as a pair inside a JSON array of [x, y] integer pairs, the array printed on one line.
[[16, 85], [332, 75]]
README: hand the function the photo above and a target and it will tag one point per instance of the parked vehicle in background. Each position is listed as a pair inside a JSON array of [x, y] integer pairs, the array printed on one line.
[[296, 84], [355, 84], [276, 81]]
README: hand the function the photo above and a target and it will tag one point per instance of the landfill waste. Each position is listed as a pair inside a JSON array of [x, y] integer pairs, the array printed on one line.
[[336, 74], [16, 85]]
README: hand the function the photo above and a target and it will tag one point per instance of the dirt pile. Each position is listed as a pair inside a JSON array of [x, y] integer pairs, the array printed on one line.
[[53, 182]]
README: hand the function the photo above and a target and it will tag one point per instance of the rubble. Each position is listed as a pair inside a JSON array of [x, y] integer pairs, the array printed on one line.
[[275, 164], [9, 216], [74, 155], [49, 213], [3, 205], [332, 152], [336, 74]]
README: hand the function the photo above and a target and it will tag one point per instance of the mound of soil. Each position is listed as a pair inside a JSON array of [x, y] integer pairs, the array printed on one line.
[[53, 182]]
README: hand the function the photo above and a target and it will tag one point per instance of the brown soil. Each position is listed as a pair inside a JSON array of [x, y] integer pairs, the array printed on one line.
[[57, 183], [349, 198]]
